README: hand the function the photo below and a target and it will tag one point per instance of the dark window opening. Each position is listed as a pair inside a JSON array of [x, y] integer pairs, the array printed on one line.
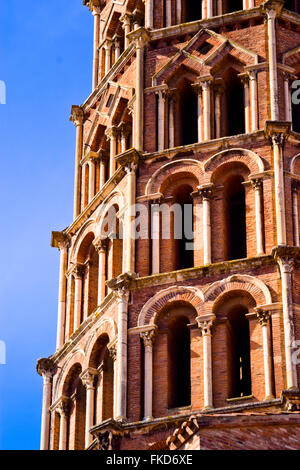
[[238, 347], [205, 48], [234, 122], [193, 10], [184, 225], [292, 5], [188, 115], [235, 218], [179, 377], [233, 5], [296, 117]]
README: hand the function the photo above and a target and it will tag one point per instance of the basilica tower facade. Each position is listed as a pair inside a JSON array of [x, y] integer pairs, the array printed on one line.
[[179, 301]]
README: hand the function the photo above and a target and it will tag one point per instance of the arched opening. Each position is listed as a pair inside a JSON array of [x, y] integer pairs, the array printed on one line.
[[188, 114], [102, 360], [179, 363], [232, 5], [192, 11], [238, 353], [76, 392], [235, 218], [89, 261], [292, 5], [113, 229], [184, 228], [296, 117], [233, 121]]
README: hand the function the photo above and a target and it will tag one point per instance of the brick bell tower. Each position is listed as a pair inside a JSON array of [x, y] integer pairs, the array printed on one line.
[[188, 342]]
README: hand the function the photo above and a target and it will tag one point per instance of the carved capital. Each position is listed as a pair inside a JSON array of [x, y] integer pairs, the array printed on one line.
[[148, 337], [101, 245], [205, 191], [112, 132], [113, 352], [256, 184], [126, 19], [59, 240], [205, 324], [122, 295], [45, 367], [88, 377], [63, 406], [263, 316], [77, 115]]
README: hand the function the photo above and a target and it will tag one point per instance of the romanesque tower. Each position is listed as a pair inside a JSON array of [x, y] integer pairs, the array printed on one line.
[[191, 341]]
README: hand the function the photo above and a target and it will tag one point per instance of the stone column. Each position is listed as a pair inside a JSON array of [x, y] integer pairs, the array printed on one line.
[[178, 12], [257, 186], [45, 368], [155, 237], [112, 135], [101, 248], [264, 319], [287, 98], [245, 81], [102, 175], [205, 324], [125, 133], [206, 193], [278, 141], [77, 118], [149, 10], [172, 100], [161, 120], [63, 410], [253, 100], [84, 195], [209, 8], [92, 176], [126, 24], [107, 49], [77, 273], [206, 93], [96, 14], [121, 406], [271, 18], [286, 266], [62, 294], [88, 378], [295, 188], [198, 89], [251, 3], [130, 219], [168, 13], [140, 42], [148, 339], [113, 355], [117, 48], [219, 89]]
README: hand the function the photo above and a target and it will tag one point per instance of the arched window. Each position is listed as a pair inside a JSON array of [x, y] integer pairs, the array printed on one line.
[[102, 360], [238, 353], [184, 226], [233, 122], [192, 10], [76, 392], [235, 218], [89, 260], [179, 376], [296, 116], [232, 5], [292, 5], [187, 114]]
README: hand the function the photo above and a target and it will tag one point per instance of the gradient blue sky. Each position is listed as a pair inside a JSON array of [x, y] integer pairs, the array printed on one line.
[[46, 62]]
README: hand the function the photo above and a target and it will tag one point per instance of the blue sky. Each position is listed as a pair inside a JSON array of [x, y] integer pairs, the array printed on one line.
[[46, 63]]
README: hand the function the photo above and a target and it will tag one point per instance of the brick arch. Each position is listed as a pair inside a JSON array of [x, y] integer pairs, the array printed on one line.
[[108, 327], [77, 357], [294, 164], [150, 310], [88, 227], [116, 198], [244, 156], [237, 283], [187, 166]]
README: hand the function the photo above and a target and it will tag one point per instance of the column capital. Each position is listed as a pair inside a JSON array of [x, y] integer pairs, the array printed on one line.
[[277, 132], [59, 240], [206, 191], [122, 295], [140, 37], [130, 157], [126, 19], [286, 256], [273, 8], [112, 349], [263, 316], [107, 43], [88, 376], [100, 244], [148, 336], [256, 183], [205, 323], [206, 81], [46, 367], [77, 115], [112, 132], [78, 271], [62, 406], [244, 77], [94, 4]]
